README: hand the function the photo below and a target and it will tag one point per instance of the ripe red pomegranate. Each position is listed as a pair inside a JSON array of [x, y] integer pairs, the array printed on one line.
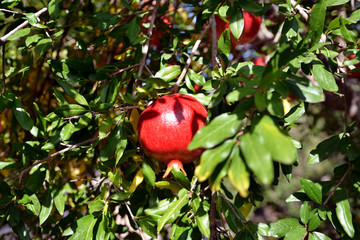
[[167, 126], [250, 31], [354, 74], [260, 61]]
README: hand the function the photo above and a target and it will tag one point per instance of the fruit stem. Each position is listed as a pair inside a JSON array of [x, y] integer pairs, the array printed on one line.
[[174, 164]]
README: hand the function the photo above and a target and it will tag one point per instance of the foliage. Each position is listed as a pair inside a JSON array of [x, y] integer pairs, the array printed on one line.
[[77, 74]]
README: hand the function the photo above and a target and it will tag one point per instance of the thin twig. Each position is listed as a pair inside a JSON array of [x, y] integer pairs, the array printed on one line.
[[146, 47], [189, 60], [24, 24], [124, 69], [9, 11], [213, 216], [133, 218], [214, 54], [337, 185], [3, 69], [302, 11]]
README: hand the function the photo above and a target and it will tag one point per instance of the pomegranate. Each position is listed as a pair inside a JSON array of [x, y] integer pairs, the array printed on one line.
[[354, 74], [250, 31], [166, 128], [260, 61]]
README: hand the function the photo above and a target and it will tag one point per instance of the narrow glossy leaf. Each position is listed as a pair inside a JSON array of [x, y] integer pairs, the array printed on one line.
[[295, 113], [31, 203], [96, 206], [331, 3], [245, 233], [84, 121], [105, 126], [308, 93], [220, 128], [121, 143], [314, 222], [312, 190], [7, 165], [148, 172], [343, 211], [102, 230], [33, 39], [139, 177], [201, 209], [196, 78], [148, 227], [211, 158], [69, 90], [133, 29], [172, 186], [59, 200], [236, 22], [120, 196], [70, 110], [84, 229], [324, 149], [21, 231], [19, 33], [348, 35], [67, 131], [257, 157], [224, 43], [296, 233], [46, 207], [305, 211], [318, 236], [169, 73], [283, 226], [54, 8], [36, 179], [324, 78], [278, 144], [180, 178], [238, 94], [317, 21], [21, 115], [231, 219], [43, 46], [238, 174], [220, 172], [174, 209], [160, 208]]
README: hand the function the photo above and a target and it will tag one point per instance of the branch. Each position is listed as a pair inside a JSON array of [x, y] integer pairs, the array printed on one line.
[[213, 216], [302, 11], [189, 60], [9, 11], [214, 58], [124, 69], [24, 24], [337, 185], [234, 211], [146, 47], [3, 68]]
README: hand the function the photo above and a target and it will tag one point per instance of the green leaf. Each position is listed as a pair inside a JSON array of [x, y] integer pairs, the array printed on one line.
[[103, 232], [296, 233], [22, 116], [257, 157], [238, 94], [69, 90], [84, 121], [121, 143], [84, 228], [31, 203], [317, 21], [70, 110], [180, 178], [133, 29], [308, 93], [343, 211], [282, 227], [318, 236], [174, 209], [96, 206], [120, 196], [314, 222], [220, 128], [52, 141], [278, 144], [159, 208], [211, 158], [195, 77], [105, 126], [201, 209], [67, 131], [21, 231], [148, 172], [348, 35], [295, 113], [36, 179], [324, 78], [305, 211], [312, 190], [46, 207], [59, 200], [43, 46], [7, 165], [54, 8], [324, 149], [331, 3], [33, 39], [224, 43], [148, 226], [19, 33], [169, 73], [238, 174], [236, 22]]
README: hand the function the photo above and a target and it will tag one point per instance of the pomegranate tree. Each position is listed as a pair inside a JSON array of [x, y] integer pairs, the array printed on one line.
[[167, 126]]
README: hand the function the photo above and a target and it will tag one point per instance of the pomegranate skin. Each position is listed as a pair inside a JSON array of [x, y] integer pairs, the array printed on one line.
[[167, 126], [251, 28]]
